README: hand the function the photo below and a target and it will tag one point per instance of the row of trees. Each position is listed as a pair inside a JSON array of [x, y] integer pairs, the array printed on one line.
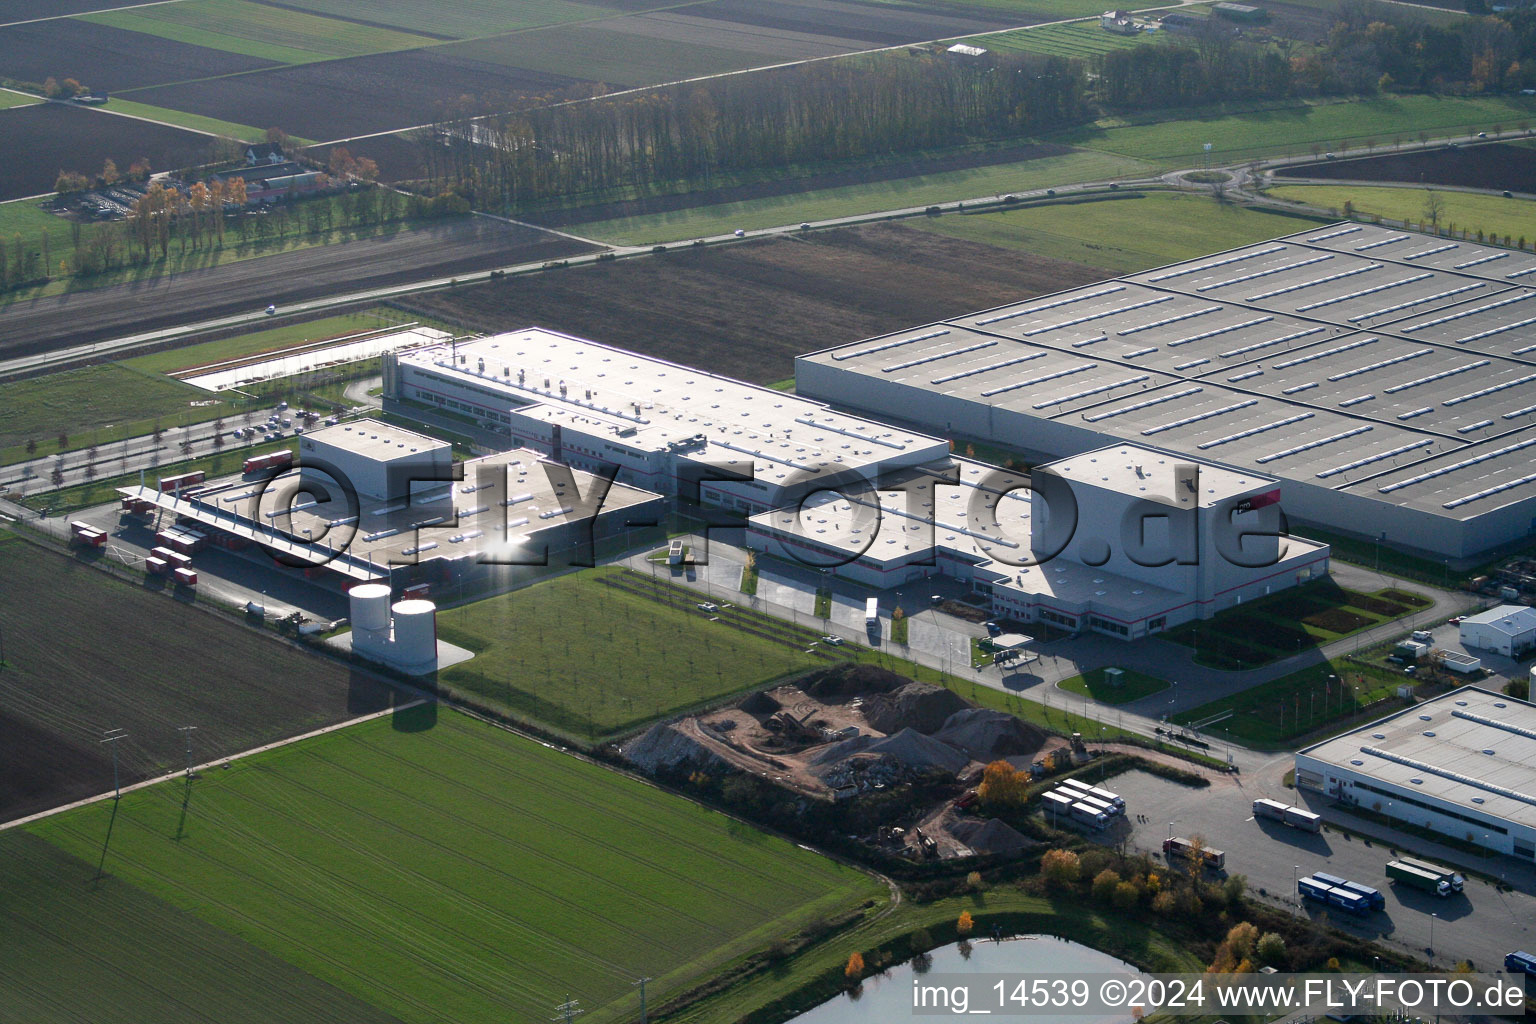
[[73, 182]]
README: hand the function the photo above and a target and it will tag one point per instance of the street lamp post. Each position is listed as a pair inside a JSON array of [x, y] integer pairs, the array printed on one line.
[[1432, 918], [1295, 868]]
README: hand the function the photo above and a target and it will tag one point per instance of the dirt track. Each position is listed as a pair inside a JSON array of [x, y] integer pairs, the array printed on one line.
[[38, 325]]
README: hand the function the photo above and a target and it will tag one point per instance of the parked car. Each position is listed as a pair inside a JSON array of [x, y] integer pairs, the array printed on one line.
[[708, 606], [271, 310], [832, 641]]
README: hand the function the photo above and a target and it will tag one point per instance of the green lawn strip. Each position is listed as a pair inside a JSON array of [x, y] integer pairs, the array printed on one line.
[[9, 98], [80, 496], [442, 869], [1055, 9], [900, 628], [63, 923], [269, 340], [1119, 235], [853, 200], [1273, 715], [24, 219], [1379, 556], [1464, 212], [465, 19], [1295, 128], [259, 30], [815, 974], [594, 660], [196, 122], [749, 577], [1078, 39], [1133, 686], [823, 608]]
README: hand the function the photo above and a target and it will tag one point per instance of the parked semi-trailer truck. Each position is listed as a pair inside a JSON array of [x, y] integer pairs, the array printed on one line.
[[1104, 796], [1314, 889], [1372, 896], [1418, 878], [872, 612], [1178, 846], [1455, 880]]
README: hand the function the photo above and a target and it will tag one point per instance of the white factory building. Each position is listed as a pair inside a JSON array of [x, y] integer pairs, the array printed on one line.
[[1509, 629], [1386, 378], [1125, 541], [378, 461], [1462, 764], [666, 428]]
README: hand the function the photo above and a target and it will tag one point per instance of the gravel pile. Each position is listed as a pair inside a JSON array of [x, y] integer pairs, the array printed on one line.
[[919, 706], [908, 747], [845, 682], [665, 746], [990, 836], [987, 735]]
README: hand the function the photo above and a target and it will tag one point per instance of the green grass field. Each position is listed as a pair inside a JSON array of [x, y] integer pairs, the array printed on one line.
[[10, 98], [23, 217], [1078, 39], [441, 869], [257, 342], [258, 30], [1120, 235], [853, 200], [467, 19], [1043, 8], [1134, 686], [196, 122], [591, 660], [1294, 129], [1463, 211]]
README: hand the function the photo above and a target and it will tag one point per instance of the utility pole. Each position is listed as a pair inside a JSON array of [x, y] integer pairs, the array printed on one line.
[[111, 737], [643, 1018], [567, 1011], [187, 731]]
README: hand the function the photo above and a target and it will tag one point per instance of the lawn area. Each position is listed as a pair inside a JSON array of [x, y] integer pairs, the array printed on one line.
[[62, 926], [1077, 39], [442, 869], [852, 200], [1121, 235], [257, 342], [1288, 623], [10, 98], [1462, 211], [592, 660], [1274, 714], [104, 489], [1055, 9], [23, 217], [196, 122], [466, 19], [94, 405], [259, 30], [1133, 686], [1294, 129]]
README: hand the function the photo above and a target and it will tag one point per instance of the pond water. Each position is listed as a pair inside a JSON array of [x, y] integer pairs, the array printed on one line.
[[887, 999]]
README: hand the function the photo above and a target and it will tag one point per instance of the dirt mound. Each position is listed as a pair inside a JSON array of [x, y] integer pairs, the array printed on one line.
[[919, 706], [760, 704], [908, 747], [667, 746], [843, 683], [990, 836], [987, 735]]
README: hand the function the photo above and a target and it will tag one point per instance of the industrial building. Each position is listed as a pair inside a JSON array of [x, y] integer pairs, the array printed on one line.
[[379, 462], [1462, 764], [1509, 629], [1386, 378], [667, 428], [1155, 540]]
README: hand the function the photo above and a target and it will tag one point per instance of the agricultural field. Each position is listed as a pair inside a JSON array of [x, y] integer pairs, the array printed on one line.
[[103, 57], [1122, 236], [464, 19], [60, 136], [513, 875], [1496, 165], [254, 343], [1077, 39], [10, 98], [747, 310], [588, 656], [165, 666], [267, 32], [1295, 129], [1468, 212], [867, 197]]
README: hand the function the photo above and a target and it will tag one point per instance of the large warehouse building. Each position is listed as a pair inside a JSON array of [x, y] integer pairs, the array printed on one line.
[[1385, 377], [1462, 764]]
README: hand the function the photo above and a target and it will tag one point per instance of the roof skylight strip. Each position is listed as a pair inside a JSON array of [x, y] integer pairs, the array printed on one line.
[[1445, 773], [1431, 252], [1171, 320], [1480, 335], [1217, 263], [1479, 425], [1411, 413], [1385, 241], [1360, 343], [1272, 341], [1251, 431], [1308, 386], [934, 357], [1051, 305], [1039, 380], [1313, 444], [1463, 464], [1453, 371], [1356, 400], [1245, 376], [1520, 273], [1418, 302], [1098, 316], [1520, 412], [1335, 234], [1282, 268], [1159, 400], [1314, 282], [1092, 391], [988, 368], [1140, 352], [1222, 330], [1479, 262], [1485, 307], [890, 344], [1380, 364], [1378, 457], [1490, 390], [1362, 293], [1200, 416], [1523, 351], [1090, 341], [1191, 364], [1489, 492]]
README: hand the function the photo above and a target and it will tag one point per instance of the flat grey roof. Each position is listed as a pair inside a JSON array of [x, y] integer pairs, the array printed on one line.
[[376, 440], [1470, 747], [1390, 364]]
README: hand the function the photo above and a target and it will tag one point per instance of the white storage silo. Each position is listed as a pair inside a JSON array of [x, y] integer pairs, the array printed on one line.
[[370, 606], [415, 641]]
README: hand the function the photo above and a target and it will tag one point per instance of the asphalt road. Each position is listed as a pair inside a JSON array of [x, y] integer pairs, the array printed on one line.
[[100, 314]]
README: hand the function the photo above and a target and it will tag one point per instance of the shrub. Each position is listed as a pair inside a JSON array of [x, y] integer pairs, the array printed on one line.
[[1060, 867], [1104, 884], [1126, 895], [1271, 949], [855, 969], [964, 924]]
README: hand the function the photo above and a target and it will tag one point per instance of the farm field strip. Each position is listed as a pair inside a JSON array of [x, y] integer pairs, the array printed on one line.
[[1077, 39], [458, 871], [11, 98], [258, 30], [603, 54], [192, 122], [463, 19], [859, 200], [1467, 211]]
